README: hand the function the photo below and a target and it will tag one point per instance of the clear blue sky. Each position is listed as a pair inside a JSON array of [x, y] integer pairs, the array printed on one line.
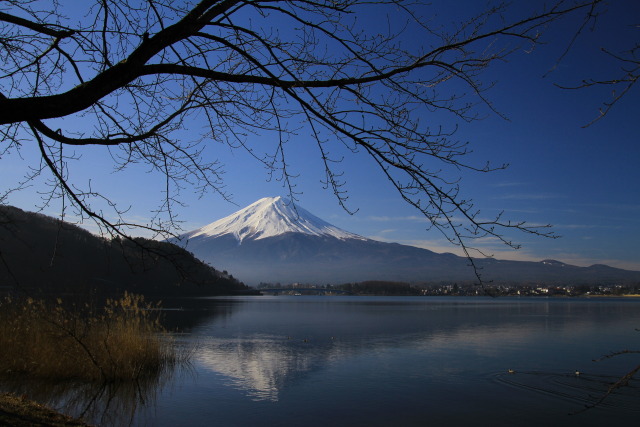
[[584, 181]]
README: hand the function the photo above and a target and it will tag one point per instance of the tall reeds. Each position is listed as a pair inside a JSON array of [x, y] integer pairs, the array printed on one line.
[[123, 340]]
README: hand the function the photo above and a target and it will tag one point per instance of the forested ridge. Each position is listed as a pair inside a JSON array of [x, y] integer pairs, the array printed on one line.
[[43, 254]]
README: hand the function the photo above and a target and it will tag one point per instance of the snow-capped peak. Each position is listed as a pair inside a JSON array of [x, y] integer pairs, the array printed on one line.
[[268, 217]]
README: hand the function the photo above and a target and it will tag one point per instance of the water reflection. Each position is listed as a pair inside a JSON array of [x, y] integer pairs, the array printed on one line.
[[586, 390], [269, 345], [120, 403], [108, 404], [260, 366], [277, 360], [185, 314]]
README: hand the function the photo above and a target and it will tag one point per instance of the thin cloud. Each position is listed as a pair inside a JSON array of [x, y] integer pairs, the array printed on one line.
[[610, 206], [587, 226], [529, 196], [508, 184], [389, 230], [414, 218]]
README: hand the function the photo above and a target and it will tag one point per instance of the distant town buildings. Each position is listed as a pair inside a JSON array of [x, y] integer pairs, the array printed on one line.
[[450, 289]]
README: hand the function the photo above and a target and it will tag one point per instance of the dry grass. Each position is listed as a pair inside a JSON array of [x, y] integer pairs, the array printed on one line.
[[121, 341]]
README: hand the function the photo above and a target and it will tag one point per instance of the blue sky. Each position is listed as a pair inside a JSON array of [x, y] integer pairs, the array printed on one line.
[[584, 181]]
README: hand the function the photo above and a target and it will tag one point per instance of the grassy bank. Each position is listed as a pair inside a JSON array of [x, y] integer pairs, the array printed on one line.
[[121, 341]]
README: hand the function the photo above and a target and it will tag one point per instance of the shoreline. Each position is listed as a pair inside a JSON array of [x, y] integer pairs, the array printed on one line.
[[21, 411]]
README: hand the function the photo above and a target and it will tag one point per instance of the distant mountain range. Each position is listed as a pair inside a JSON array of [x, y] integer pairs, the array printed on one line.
[[40, 254], [273, 240]]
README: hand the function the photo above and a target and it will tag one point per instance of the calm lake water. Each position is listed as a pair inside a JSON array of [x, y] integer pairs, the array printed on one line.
[[391, 361]]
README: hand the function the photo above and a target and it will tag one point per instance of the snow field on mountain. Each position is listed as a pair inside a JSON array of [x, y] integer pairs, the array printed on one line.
[[269, 217]]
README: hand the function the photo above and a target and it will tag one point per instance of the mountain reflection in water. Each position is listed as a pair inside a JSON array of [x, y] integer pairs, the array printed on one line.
[[259, 366], [370, 361], [253, 359]]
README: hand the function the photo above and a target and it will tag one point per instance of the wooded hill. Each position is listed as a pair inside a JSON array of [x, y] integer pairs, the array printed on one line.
[[40, 254]]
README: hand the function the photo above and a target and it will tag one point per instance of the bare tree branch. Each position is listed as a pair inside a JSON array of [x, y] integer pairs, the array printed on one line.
[[136, 73]]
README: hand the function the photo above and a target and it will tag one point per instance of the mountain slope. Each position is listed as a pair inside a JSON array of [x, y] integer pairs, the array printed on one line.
[[273, 241], [40, 253], [269, 217]]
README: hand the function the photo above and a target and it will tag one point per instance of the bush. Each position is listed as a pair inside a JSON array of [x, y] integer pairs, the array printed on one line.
[[121, 341]]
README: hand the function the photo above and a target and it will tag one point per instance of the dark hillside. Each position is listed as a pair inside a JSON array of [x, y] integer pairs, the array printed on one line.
[[40, 253]]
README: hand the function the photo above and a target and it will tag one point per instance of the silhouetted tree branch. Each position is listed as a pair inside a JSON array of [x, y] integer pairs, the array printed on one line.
[[131, 76], [623, 381], [621, 84], [625, 55]]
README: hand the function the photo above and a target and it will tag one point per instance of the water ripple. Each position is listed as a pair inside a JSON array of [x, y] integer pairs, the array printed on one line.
[[585, 389]]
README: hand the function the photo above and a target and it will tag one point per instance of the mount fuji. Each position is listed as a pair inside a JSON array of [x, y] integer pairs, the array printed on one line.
[[270, 217], [273, 240]]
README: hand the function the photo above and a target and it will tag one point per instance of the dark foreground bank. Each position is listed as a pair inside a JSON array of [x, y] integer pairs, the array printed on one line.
[[19, 411]]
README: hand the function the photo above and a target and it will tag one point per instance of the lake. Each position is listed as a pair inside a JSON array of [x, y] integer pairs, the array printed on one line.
[[389, 361]]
